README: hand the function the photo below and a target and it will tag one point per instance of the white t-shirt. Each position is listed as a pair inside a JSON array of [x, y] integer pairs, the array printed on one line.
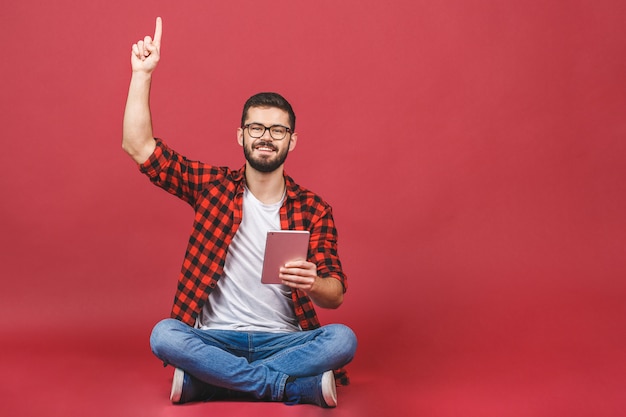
[[240, 301]]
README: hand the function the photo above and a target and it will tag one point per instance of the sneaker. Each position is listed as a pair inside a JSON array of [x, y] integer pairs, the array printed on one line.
[[319, 390], [178, 384], [186, 388]]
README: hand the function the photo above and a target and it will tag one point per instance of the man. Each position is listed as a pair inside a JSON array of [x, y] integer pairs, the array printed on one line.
[[230, 335]]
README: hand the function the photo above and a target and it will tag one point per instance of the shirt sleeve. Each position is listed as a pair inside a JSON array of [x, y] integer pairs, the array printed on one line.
[[324, 248], [178, 175]]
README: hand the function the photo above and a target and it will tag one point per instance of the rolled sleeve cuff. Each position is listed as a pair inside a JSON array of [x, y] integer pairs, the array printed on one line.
[[155, 163]]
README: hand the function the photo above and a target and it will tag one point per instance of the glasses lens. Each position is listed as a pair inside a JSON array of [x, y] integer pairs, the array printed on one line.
[[278, 132], [256, 130]]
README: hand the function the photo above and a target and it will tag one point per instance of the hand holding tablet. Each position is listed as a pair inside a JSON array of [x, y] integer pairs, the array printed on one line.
[[281, 247]]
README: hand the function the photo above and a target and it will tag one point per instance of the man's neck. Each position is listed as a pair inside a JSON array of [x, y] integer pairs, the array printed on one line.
[[267, 187]]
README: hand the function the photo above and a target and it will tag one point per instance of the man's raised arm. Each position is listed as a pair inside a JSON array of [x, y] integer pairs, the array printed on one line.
[[138, 140]]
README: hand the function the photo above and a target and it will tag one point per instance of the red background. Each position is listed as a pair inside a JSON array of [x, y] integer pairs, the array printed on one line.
[[473, 151]]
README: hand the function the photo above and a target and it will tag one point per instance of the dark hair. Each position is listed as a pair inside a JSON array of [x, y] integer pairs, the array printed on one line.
[[269, 100]]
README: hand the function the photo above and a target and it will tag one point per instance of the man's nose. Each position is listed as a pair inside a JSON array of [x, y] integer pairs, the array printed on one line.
[[267, 134]]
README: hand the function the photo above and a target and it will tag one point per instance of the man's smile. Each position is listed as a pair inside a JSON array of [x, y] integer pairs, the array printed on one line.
[[264, 147]]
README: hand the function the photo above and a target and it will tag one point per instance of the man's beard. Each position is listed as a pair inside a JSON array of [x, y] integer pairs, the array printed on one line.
[[270, 164]]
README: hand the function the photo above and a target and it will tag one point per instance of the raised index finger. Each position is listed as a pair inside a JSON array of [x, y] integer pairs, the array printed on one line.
[[158, 31]]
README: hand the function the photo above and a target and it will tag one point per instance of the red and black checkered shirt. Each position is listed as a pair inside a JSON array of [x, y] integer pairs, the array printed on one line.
[[216, 194]]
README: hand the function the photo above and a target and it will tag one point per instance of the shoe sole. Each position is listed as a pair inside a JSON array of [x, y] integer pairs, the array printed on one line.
[[177, 386], [329, 389]]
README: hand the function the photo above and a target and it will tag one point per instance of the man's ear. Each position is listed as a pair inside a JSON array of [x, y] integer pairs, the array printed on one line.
[[240, 136], [292, 141]]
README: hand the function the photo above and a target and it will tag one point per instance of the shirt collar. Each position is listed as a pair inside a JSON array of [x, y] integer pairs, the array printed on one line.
[[291, 186]]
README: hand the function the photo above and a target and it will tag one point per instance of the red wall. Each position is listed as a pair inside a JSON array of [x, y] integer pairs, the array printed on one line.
[[473, 151]]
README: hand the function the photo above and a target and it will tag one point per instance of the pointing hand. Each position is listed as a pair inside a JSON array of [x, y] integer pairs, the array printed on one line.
[[146, 52]]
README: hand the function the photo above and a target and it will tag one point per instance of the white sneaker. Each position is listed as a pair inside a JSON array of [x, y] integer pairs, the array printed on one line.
[[329, 389], [319, 390], [177, 386]]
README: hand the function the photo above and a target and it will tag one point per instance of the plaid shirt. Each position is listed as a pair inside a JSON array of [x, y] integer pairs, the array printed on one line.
[[216, 194]]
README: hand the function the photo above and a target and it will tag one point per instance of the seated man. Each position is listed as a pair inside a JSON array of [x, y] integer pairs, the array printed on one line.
[[230, 335]]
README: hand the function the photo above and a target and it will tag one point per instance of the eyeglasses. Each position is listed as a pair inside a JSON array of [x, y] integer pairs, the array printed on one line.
[[257, 130]]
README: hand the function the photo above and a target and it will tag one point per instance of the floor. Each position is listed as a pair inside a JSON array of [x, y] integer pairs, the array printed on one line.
[[113, 373], [100, 376]]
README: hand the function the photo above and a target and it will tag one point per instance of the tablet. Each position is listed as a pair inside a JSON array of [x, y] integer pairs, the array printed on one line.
[[282, 246]]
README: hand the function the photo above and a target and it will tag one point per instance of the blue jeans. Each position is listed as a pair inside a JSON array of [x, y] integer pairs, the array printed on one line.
[[257, 363]]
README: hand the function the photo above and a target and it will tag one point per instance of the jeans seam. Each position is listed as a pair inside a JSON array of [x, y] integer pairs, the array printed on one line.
[[284, 352], [280, 389]]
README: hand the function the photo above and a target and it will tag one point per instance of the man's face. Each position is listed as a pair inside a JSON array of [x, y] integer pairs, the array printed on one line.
[[266, 154]]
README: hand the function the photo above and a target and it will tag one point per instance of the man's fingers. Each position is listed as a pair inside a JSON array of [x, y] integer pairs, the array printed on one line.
[[148, 45], [140, 48], [298, 263], [158, 31]]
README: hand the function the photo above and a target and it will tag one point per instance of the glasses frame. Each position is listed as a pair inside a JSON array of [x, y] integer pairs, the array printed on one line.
[[265, 129]]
